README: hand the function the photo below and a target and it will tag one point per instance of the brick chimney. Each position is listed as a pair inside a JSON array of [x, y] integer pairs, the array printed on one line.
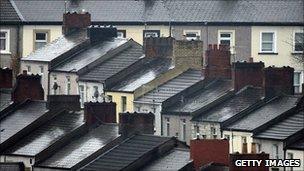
[[69, 102], [158, 47], [218, 62], [278, 81], [244, 74], [188, 53], [101, 33], [75, 21], [27, 87], [96, 112], [6, 78], [131, 123], [204, 151]]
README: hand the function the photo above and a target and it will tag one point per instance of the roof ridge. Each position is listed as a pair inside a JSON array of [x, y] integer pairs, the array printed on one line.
[[17, 10]]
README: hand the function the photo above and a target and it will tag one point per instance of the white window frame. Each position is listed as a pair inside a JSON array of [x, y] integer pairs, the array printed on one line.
[[300, 80], [82, 95], [232, 39], [46, 32], [294, 42], [274, 44], [198, 34], [68, 85], [7, 42], [183, 129]]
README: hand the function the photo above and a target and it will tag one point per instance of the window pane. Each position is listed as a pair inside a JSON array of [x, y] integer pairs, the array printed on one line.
[[267, 37], [191, 34], [151, 34], [299, 39], [41, 36], [225, 42], [2, 44], [267, 47], [225, 35], [39, 45], [296, 80], [2, 34]]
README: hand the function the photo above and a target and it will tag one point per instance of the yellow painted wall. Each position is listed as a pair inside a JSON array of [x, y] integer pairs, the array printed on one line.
[[284, 46], [116, 97], [28, 36]]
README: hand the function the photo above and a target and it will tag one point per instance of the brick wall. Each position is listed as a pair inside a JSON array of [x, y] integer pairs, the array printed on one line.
[[74, 21], [158, 47]]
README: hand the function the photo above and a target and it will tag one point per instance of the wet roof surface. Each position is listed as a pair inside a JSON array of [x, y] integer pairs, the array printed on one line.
[[5, 98], [8, 12], [170, 10], [152, 68], [82, 147], [176, 159], [284, 128], [113, 65], [232, 106], [264, 114], [172, 87], [20, 118], [126, 152], [47, 134], [84, 58], [203, 97], [57, 47]]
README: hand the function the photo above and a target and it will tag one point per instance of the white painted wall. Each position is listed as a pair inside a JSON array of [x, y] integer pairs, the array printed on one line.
[[27, 161], [88, 91], [235, 141]]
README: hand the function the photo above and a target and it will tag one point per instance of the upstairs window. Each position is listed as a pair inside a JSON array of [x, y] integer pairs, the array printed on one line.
[[275, 150], [225, 38], [297, 82], [121, 33], [267, 42], [167, 126], [151, 33], [123, 103], [41, 39], [192, 34], [183, 130], [4, 41], [298, 42]]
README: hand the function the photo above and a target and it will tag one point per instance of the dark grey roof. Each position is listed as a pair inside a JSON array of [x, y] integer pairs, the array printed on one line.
[[57, 47], [114, 64], [298, 145], [284, 128], [126, 153], [47, 134], [203, 97], [264, 114], [82, 147], [257, 11], [152, 68], [5, 98], [176, 159], [91, 54], [172, 87], [8, 12], [237, 103], [20, 118]]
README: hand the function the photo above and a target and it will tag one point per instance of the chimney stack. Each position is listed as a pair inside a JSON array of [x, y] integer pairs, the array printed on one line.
[[244, 74], [218, 62], [69, 102], [75, 21], [132, 123], [27, 87], [158, 47], [101, 33], [188, 53], [278, 81], [6, 78], [96, 112]]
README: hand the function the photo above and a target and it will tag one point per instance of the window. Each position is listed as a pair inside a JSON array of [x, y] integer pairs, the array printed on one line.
[[244, 140], [275, 150], [225, 38], [213, 131], [297, 82], [183, 130], [81, 93], [41, 39], [29, 69], [121, 33], [259, 148], [197, 131], [298, 42], [41, 69], [123, 103], [227, 137], [168, 126], [151, 33], [4, 41], [95, 92], [290, 156], [192, 34], [68, 85], [268, 42]]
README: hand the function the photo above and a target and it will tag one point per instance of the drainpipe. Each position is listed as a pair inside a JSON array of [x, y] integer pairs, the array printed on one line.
[[284, 157], [48, 76]]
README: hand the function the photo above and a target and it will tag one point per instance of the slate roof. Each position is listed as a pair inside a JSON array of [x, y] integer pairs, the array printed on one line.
[[176, 11], [212, 91], [171, 87], [5, 98], [231, 107], [284, 128], [152, 68], [20, 118], [176, 159], [8, 12], [41, 138], [112, 65], [299, 145], [264, 114], [91, 54], [57, 47], [81, 147], [126, 153]]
